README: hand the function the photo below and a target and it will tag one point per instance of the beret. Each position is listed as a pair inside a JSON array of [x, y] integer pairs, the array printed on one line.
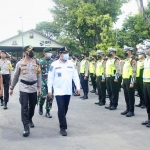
[[47, 49], [63, 49], [28, 48]]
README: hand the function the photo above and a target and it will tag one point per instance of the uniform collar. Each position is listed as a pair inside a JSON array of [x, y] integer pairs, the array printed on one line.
[[63, 62]]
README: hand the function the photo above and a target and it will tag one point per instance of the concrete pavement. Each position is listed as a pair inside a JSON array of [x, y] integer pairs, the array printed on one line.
[[90, 127]]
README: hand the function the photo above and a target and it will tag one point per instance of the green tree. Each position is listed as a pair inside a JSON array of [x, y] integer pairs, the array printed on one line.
[[48, 28]]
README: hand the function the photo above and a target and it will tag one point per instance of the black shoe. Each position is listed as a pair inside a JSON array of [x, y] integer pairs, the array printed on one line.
[[31, 125], [81, 96], [48, 115], [143, 106], [63, 132], [101, 104], [130, 114], [97, 103], [125, 112], [107, 107], [145, 122], [148, 125], [93, 91], [26, 130], [76, 94], [40, 110], [96, 93], [85, 97], [139, 105], [113, 108], [5, 105]]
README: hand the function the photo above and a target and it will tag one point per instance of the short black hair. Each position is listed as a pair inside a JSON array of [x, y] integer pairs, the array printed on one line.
[[84, 54]]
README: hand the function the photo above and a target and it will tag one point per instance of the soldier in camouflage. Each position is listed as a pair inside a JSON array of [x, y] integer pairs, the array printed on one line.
[[44, 65]]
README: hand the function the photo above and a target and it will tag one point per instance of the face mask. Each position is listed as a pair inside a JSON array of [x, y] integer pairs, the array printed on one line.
[[73, 58], [140, 56], [147, 52], [109, 55], [49, 55], [65, 56], [125, 54], [30, 54]]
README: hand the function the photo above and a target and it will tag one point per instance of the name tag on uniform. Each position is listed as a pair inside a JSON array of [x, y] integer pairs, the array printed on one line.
[[59, 74]]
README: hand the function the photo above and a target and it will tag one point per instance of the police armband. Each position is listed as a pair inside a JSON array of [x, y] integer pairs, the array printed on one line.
[[132, 80]]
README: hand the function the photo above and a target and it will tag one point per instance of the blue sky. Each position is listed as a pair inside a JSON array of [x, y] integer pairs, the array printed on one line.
[[34, 11]]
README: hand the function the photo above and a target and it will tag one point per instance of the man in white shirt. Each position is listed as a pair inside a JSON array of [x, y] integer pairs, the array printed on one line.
[[60, 76]]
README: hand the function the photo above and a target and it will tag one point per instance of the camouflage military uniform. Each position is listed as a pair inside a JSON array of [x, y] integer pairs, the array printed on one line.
[[44, 65]]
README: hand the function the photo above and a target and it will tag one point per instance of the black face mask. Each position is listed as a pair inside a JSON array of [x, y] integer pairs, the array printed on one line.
[[73, 58], [125, 54], [31, 54], [109, 55]]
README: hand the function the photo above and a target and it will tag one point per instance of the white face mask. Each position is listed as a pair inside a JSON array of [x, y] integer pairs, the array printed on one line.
[[49, 55], [140, 56], [65, 56]]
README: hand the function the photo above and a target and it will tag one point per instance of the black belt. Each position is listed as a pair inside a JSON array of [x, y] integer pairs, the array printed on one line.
[[27, 83]]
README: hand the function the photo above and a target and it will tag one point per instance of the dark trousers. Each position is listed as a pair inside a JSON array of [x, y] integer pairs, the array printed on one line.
[[28, 102], [129, 95], [73, 87], [120, 81], [84, 83], [113, 91], [93, 80], [6, 82], [62, 103], [101, 86], [146, 89], [139, 86]]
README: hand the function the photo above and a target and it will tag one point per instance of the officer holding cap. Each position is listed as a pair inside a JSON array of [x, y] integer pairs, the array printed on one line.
[[129, 76], [112, 76], [45, 65], [28, 73], [60, 77], [6, 68]]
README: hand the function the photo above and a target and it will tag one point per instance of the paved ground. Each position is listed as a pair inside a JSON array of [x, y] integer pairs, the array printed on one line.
[[90, 127]]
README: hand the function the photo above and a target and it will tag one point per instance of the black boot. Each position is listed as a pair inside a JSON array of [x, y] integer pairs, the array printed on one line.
[[93, 91], [138, 105], [85, 96], [5, 105], [31, 124], [125, 112], [130, 114], [26, 130], [48, 115], [143, 106], [2, 101], [108, 107], [41, 110], [101, 103]]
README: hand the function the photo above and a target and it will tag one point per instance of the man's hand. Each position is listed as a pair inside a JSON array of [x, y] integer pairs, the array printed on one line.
[[115, 80], [131, 85], [50, 95], [39, 93], [78, 92], [103, 80], [11, 92], [85, 78]]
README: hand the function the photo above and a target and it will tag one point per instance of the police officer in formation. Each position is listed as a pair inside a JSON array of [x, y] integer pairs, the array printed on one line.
[[44, 65], [6, 68], [100, 78], [112, 75], [84, 75], [129, 77], [27, 72], [92, 65]]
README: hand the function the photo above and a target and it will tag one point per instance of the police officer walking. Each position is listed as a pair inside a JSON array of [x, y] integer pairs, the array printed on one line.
[[128, 76], [139, 77], [84, 75], [100, 76], [45, 65], [29, 76], [60, 76], [6, 68], [112, 75], [146, 84]]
